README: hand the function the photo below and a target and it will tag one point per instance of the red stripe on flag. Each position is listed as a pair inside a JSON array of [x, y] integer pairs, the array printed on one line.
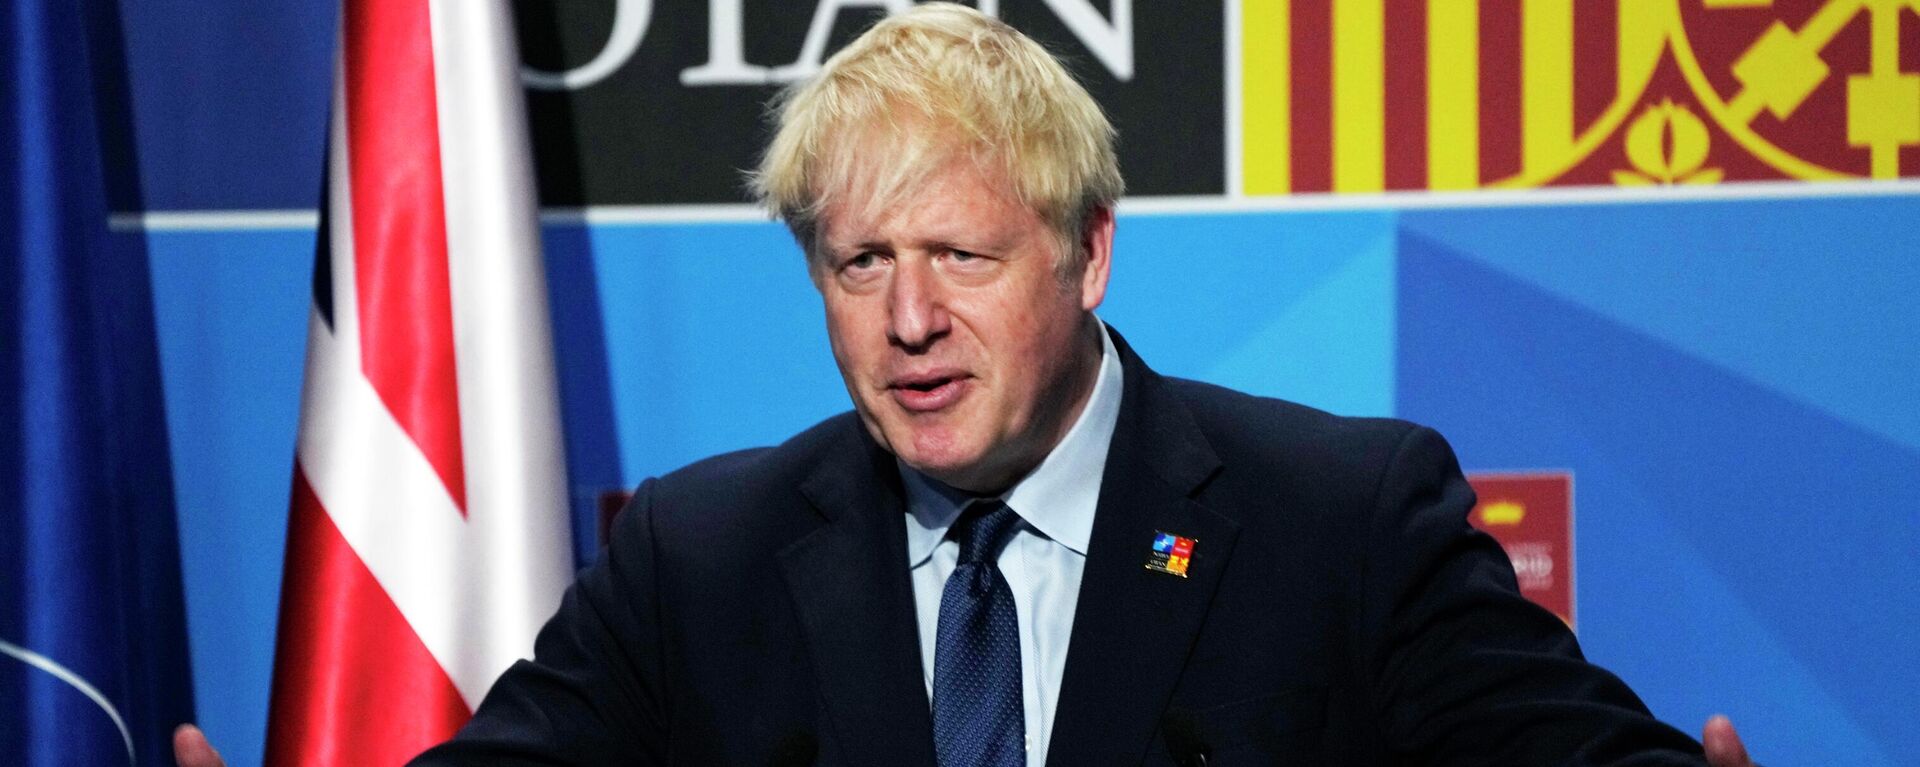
[[1596, 76], [352, 683], [1500, 123], [1405, 152], [1312, 95], [400, 227]]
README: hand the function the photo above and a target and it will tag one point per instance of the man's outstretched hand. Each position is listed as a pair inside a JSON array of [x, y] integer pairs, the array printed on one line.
[[1724, 748], [191, 749]]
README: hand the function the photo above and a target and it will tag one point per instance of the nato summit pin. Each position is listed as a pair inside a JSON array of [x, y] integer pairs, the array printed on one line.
[[1171, 554]]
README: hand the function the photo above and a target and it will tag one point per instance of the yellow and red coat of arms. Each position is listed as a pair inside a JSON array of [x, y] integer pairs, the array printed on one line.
[[1378, 95]]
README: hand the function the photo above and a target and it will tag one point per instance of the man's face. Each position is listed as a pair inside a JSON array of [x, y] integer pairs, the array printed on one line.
[[966, 353]]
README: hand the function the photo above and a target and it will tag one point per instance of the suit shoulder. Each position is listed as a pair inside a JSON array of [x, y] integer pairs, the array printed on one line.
[[755, 478], [1322, 476], [1237, 421], [1220, 408]]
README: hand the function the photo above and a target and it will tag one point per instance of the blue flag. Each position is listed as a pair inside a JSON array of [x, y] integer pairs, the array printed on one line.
[[93, 654]]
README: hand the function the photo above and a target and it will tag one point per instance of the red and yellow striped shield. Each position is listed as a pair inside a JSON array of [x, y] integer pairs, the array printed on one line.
[[1357, 96]]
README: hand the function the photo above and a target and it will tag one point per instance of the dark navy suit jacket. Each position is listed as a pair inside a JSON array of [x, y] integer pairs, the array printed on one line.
[[755, 609]]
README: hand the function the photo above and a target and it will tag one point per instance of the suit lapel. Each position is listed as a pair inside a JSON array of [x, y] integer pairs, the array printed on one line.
[[855, 600], [1133, 627]]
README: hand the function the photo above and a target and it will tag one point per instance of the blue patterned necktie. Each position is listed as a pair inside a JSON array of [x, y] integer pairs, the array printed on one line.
[[978, 717]]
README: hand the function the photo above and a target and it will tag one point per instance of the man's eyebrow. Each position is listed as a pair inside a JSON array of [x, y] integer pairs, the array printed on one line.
[[842, 248], [865, 245]]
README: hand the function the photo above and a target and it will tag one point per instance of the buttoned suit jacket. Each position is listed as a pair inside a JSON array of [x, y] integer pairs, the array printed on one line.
[[755, 608]]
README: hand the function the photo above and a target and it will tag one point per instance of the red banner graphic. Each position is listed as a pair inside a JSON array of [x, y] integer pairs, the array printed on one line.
[[1531, 515]]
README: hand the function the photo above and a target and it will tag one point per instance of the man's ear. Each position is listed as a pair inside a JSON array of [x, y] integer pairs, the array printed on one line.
[[1096, 240]]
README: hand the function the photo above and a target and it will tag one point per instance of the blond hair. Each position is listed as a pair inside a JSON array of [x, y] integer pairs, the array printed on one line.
[[921, 89]]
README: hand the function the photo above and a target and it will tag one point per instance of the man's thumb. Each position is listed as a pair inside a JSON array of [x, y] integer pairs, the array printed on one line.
[[191, 749]]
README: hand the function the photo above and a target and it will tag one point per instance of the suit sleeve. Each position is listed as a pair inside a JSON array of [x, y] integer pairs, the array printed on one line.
[[593, 692], [1465, 670]]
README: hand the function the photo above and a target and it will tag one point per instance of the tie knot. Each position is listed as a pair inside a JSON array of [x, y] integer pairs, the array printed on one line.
[[982, 528]]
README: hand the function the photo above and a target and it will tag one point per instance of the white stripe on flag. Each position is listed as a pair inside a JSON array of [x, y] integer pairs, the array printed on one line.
[[391, 507], [509, 408]]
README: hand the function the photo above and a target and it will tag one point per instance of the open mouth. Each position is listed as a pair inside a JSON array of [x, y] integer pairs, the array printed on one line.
[[927, 385], [928, 393]]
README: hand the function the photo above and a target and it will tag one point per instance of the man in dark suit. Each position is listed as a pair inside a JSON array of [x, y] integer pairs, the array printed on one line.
[[755, 608], [1024, 546]]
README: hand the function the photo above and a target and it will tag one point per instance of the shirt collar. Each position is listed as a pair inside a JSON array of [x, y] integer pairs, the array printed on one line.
[[1057, 498]]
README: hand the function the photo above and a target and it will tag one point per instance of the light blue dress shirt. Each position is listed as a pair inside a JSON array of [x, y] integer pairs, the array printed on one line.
[[1044, 560]]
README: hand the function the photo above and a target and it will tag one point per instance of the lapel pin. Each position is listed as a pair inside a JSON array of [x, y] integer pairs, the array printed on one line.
[[1171, 554]]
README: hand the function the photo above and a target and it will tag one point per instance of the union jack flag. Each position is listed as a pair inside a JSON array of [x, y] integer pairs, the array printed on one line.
[[428, 536]]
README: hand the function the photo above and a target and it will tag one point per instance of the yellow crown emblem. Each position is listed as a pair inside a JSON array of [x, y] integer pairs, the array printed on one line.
[[1502, 513]]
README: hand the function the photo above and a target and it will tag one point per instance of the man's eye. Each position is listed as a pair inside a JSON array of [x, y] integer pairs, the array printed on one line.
[[863, 268]]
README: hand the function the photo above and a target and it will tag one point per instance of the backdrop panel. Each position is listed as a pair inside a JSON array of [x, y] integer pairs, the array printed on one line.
[[1663, 245]]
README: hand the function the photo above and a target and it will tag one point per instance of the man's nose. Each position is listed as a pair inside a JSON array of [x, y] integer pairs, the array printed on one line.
[[916, 306]]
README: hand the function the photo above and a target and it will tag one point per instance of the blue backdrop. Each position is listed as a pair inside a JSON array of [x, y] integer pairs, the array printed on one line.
[[1731, 382]]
